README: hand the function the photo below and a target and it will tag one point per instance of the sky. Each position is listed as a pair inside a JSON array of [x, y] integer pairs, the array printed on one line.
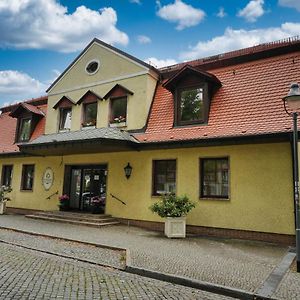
[[40, 38]]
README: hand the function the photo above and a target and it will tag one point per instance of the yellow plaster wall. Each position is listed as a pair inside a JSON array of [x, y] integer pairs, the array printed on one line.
[[111, 66], [261, 193], [138, 104], [35, 199]]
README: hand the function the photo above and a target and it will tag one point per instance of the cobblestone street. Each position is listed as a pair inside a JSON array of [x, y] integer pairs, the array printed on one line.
[[28, 274]]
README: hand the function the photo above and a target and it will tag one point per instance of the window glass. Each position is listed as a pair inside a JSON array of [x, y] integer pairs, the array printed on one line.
[[65, 119], [90, 114], [6, 175], [164, 176], [214, 174], [25, 130], [27, 177], [118, 110], [191, 105]]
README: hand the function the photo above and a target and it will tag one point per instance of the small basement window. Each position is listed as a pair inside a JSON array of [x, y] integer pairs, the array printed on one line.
[[90, 114], [65, 119], [24, 130], [118, 110]]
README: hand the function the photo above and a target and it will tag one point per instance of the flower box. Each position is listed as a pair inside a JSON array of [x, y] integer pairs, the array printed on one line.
[[175, 227]]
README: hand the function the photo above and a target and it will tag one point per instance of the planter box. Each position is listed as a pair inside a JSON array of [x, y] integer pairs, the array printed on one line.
[[175, 227], [2, 208]]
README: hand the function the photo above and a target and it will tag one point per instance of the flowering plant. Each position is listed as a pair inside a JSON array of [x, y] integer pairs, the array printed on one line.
[[119, 119], [4, 190], [64, 198], [97, 201]]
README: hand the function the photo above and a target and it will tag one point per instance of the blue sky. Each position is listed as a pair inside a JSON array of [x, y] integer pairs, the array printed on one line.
[[39, 38]]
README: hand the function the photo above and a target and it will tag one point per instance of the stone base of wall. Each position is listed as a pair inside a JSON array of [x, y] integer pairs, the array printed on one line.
[[21, 211], [282, 239]]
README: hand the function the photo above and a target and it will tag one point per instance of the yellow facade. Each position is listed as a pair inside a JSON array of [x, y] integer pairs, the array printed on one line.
[[261, 192], [113, 69]]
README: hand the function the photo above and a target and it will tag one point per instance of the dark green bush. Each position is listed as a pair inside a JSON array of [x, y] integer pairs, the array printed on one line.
[[172, 206]]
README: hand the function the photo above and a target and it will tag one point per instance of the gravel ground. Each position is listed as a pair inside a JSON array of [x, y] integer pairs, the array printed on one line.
[[238, 264], [27, 274], [95, 254]]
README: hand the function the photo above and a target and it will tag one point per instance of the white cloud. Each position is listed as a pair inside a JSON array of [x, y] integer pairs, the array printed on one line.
[[135, 1], [252, 11], [221, 13], [159, 63], [237, 39], [143, 39], [290, 3], [15, 85], [181, 13], [46, 24]]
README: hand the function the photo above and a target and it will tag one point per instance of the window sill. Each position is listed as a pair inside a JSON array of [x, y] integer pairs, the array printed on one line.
[[214, 199], [26, 190], [63, 130], [121, 124], [87, 127]]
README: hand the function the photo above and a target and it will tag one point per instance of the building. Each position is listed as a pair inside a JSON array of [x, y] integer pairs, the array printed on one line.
[[214, 129]]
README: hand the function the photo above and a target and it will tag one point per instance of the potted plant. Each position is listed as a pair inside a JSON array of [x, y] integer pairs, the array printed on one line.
[[64, 202], [174, 209], [97, 204], [4, 190]]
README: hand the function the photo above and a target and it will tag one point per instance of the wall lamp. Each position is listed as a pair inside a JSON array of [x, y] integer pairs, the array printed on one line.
[[128, 170]]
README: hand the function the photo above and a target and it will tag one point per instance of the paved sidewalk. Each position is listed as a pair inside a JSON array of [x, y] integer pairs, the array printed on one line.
[[232, 263], [27, 274]]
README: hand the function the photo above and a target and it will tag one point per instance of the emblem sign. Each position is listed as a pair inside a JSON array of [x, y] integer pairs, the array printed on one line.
[[48, 179]]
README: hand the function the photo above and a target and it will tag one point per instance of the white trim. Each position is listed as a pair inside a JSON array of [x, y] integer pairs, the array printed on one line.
[[89, 62], [108, 49], [103, 82]]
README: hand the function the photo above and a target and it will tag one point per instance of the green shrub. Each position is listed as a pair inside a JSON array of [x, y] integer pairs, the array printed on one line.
[[172, 206]]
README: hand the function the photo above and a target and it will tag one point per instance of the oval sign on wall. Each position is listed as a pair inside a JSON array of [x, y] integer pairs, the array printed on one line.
[[48, 178]]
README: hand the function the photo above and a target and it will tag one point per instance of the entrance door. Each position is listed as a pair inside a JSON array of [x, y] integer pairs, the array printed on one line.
[[87, 182]]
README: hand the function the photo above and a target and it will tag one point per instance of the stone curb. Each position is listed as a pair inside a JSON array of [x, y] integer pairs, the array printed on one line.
[[180, 280]]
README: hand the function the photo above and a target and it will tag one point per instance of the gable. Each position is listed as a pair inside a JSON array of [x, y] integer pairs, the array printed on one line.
[[112, 66]]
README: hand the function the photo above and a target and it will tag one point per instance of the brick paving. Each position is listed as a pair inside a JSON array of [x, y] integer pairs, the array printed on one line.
[[98, 255], [237, 264], [27, 274]]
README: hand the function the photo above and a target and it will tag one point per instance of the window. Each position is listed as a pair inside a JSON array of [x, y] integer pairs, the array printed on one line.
[[65, 119], [24, 130], [164, 177], [190, 108], [214, 177], [92, 67], [118, 110], [27, 177], [6, 175], [90, 114]]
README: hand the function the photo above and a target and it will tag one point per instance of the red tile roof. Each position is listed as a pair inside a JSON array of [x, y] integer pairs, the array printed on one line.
[[248, 103], [8, 126]]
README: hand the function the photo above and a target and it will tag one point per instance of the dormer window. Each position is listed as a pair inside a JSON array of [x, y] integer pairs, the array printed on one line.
[[89, 103], [65, 115], [118, 97], [90, 114], [118, 110], [190, 104], [192, 90], [28, 117], [24, 130]]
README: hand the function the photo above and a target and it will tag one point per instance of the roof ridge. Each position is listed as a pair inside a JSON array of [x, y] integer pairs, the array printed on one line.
[[31, 101], [235, 53]]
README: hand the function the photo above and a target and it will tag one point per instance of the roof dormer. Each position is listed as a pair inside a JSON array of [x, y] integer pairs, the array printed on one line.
[[192, 90], [28, 116]]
